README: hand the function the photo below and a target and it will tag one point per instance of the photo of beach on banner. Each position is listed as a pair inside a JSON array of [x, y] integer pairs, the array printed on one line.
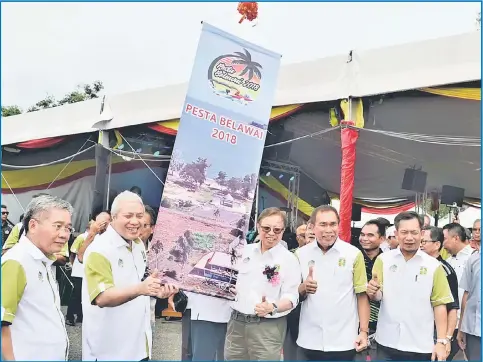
[[201, 227]]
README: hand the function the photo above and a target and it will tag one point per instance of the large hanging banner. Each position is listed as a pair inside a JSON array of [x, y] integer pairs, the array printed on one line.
[[209, 191]]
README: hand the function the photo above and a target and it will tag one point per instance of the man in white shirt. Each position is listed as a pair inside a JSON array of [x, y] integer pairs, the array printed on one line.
[[413, 291], [209, 318], [266, 291], [458, 247], [469, 335], [33, 326], [334, 320], [117, 325]]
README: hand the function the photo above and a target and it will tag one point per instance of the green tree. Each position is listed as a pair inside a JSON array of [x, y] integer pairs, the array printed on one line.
[[82, 93], [11, 111]]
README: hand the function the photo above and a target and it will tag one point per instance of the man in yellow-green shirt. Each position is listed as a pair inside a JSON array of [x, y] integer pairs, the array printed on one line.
[[32, 323], [61, 258], [334, 319], [113, 293], [413, 290]]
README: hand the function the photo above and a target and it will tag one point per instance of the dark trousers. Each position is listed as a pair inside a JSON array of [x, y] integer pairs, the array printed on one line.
[[208, 340], [186, 347], [311, 355], [455, 347], [473, 348], [75, 305], [391, 354]]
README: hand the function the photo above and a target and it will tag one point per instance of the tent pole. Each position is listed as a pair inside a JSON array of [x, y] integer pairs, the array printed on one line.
[[108, 182], [257, 190]]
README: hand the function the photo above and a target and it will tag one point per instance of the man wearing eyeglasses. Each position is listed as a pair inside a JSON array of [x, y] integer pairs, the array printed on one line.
[[431, 244], [6, 228], [19, 229], [33, 326]]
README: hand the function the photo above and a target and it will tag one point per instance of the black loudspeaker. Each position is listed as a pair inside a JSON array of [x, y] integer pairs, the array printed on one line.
[[356, 212], [277, 135], [355, 233], [414, 180], [451, 195]]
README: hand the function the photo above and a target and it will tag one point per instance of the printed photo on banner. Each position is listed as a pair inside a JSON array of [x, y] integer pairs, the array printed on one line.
[[210, 187]]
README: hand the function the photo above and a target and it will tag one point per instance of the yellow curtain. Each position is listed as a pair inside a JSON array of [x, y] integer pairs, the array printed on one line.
[[473, 94]]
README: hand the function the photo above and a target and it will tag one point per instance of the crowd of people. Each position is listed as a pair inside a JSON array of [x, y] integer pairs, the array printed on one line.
[[395, 296]]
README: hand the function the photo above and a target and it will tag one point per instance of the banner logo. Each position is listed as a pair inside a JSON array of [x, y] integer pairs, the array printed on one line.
[[236, 77]]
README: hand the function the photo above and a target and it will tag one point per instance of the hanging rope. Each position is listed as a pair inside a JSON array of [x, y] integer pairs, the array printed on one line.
[[137, 154], [302, 137], [49, 163], [13, 193], [433, 139], [68, 163]]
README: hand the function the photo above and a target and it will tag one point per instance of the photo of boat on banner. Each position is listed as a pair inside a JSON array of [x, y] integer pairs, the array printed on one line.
[[206, 204]]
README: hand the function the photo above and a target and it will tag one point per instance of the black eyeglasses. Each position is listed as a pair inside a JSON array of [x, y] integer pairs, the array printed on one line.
[[267, 229], [5, 213]]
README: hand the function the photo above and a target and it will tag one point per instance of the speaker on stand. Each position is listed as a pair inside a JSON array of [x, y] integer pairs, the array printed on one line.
[[453, 197], [415, 180]]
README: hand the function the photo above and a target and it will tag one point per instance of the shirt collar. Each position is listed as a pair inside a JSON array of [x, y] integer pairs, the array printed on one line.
[[117, 240], [419, 253], [367, 257], [271, 251], [467, 250], [35, 252], [336, 245]]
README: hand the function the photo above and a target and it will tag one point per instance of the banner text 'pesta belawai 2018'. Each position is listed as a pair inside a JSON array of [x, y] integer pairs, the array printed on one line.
[[209, 191]]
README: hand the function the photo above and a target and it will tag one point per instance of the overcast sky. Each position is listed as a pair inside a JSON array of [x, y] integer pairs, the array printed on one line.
[[49, 48]]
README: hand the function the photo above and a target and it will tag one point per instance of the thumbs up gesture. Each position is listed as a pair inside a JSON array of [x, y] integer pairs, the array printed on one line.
[[373, 286], [310, 285], [151, 285], [264, 308]]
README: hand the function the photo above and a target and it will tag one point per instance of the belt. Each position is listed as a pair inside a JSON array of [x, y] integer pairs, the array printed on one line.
[[247, 318]]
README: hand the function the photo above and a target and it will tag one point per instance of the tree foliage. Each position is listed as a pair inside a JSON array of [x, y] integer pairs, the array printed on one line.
[[82, 93], [195, 172], [10, 111]]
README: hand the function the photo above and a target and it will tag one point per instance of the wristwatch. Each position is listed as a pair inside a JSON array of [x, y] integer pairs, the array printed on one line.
[[449, 338], [275, 309], [443, 341]]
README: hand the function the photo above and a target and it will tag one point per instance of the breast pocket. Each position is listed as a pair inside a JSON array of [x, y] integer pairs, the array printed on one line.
[[343, 275], [420, 287]]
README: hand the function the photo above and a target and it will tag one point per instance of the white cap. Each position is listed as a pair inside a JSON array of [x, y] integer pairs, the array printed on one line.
[[391, 231]]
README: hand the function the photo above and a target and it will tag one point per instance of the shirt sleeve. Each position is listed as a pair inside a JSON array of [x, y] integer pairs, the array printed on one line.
[[14, 282], [453, 286], [377, 271], [76, 245], [441, 293], [359, 276], [291, 282], [12, 238], [98, 274]]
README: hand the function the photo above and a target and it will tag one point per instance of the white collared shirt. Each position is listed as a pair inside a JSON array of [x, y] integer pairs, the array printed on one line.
[[410, 291], [37, 324], [209, 309], [252, 284], [329, 319], [117, 333], [471, 283], [77, 266], [458, 262]]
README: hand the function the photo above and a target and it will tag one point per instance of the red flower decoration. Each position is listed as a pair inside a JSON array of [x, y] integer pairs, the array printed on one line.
[[248, 10]]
